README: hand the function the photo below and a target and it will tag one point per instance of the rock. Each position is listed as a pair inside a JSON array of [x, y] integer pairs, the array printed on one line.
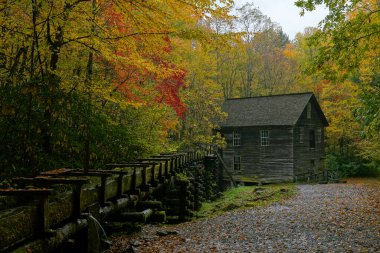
[[135, 243], [161, 233], [166, 232]]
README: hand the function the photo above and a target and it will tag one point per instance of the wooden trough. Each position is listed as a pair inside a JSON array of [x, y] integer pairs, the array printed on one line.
[[50, 217]]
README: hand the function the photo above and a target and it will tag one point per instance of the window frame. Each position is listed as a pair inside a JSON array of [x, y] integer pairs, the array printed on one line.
[[302, 135], [236, 139], [312, 140], [319, 135], [308, 110], [237, 162], [264, 138]]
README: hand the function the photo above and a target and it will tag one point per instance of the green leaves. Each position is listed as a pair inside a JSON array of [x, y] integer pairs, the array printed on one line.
[[348, 49]]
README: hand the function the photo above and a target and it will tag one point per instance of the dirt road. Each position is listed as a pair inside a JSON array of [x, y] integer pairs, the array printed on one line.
[[321, 218]]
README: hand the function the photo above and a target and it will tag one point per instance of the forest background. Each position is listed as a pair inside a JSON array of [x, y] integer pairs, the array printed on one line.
[[88, 82]]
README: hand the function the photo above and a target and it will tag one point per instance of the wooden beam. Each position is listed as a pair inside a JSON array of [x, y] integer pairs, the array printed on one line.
[[129, 165], [148, 163], [56, 172], [45, 181], [93, 173], [113, 172], [25, 192], [157, 159]]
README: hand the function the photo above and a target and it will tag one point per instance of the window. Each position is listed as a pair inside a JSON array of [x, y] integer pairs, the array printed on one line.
[[237, 162], [319, 135], [308, 111], [312, 166], [264, 137], [311, 139], [302, 134], [235, 138]]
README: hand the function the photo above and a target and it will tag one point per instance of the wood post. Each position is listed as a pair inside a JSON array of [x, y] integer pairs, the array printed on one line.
[[134, 182], [153, 182], [167, 169], [161, 177]]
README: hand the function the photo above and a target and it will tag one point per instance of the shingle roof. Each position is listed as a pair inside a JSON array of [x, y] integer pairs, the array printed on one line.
[[277, 110]]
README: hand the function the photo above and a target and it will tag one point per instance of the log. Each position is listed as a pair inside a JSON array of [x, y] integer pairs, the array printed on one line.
[[54, 242], [137, 216], [119, 204], [154, 204]]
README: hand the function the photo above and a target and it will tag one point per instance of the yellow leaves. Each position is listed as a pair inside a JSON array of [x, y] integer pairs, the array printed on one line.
[[363, 6], [338, 101], [290, 52]]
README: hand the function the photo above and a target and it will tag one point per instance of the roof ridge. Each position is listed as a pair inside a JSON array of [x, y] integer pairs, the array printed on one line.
[[276, 95]]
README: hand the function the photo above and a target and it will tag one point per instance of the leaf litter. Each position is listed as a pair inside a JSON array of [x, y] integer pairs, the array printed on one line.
[[321, 218]]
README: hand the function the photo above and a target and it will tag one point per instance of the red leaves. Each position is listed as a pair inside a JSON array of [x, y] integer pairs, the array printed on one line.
[[114, 19], [145, 64], [169, 90]]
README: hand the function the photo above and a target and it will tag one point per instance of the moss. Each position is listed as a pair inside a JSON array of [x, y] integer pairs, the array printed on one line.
[[60, 209], [16, 224], [247, 197], [253, 179], [182, 177]]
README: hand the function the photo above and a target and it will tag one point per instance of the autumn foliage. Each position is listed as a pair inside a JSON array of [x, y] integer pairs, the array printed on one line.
[[90, 82], [84, 83]]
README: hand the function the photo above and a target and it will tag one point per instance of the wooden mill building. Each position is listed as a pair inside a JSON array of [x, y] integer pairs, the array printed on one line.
[[273, 138]]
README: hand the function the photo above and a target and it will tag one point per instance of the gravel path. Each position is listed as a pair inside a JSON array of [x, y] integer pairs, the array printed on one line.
[[321, 218]]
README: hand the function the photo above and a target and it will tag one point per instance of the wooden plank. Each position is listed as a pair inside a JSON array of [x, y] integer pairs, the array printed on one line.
[[156, 159], [28, 192], [114, 172], [144, 163], [50, 180], [88, 174], [56, 172], [129, 165]]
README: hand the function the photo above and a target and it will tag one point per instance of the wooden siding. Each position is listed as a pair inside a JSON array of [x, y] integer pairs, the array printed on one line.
[[272, 163], [303, 154], [285, 157]]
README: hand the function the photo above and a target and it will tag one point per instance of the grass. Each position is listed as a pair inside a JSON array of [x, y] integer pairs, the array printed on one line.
[[246, 197]]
